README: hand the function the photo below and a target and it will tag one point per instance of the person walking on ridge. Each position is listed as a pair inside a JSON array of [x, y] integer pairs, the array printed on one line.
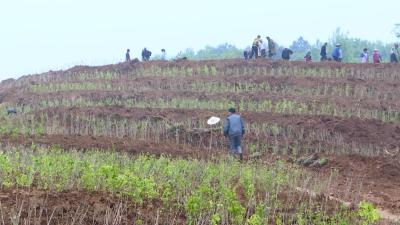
[[234, 130], [323, 52]]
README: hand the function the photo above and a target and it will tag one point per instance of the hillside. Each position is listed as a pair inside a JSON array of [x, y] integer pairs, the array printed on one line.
[[348, 114]]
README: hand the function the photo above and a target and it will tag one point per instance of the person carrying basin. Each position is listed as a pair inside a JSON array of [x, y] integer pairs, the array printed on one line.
[[337, 53]]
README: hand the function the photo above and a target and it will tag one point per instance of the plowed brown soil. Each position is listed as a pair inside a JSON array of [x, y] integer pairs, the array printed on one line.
[[31, 206]]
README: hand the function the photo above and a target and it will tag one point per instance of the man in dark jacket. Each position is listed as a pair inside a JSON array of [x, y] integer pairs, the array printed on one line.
[[146, 54], [286, 54], [393, 57], [234, 129], [323, 53]]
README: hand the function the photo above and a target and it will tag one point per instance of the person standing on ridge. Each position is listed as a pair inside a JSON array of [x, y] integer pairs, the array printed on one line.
[[163, 55], [263, 48], [364, 56], [308, 57], [286, 54], [337, 53], [393, 57], [376, 57], [247, 53], [256, 45], [397, 51], [146, 54], [271, 48], [323, 53], [127, 55], [234, 130]]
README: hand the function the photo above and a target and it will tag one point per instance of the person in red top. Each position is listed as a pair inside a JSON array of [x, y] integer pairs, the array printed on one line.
[[376, 56], [308, 57]]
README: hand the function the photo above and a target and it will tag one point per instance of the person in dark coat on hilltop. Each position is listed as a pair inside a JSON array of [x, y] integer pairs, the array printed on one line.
[[323, 53], [393, 57], [127, 56], [234, 130], [286, 54], [146, 54]]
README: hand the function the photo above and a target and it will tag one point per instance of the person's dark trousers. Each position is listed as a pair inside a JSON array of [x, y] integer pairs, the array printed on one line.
[[254, 51], [323, 58], [246, 55], [235, 145], [337, 59]]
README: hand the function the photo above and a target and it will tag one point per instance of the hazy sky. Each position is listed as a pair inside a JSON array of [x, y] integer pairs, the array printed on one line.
[[42, 35]]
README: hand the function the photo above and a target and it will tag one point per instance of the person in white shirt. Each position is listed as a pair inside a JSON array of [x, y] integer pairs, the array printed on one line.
[[263, 51], [364, 56], [163, 55]]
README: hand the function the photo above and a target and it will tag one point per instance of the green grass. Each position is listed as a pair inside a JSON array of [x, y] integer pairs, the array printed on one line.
[[202, 190]]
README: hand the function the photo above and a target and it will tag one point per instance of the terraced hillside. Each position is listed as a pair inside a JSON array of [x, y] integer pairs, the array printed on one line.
[[129, 144]]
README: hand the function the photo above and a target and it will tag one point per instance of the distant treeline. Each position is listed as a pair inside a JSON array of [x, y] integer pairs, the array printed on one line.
[[352, 48]]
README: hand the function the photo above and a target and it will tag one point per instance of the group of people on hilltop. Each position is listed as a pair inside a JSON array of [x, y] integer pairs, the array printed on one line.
[[377, 58], [259, 50], [146, 54]]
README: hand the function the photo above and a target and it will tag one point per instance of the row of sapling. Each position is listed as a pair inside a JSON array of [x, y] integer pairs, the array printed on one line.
[[353, 71], [288, 139], [358, 91], [279, 106], [347, 90], [389, 73]]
